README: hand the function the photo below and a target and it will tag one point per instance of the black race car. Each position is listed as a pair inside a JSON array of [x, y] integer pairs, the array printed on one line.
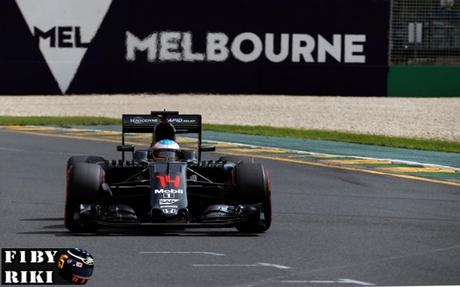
[[164, 186]]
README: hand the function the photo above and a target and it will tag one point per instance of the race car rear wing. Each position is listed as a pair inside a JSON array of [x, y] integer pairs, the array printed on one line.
[[145, 123]]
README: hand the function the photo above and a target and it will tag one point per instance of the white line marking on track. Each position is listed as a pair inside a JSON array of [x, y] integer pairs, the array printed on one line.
[[11, 149], [259, 264], [183, 252], [351, 281], [273, 265], [308, 281], [338, 281], [225, 265]]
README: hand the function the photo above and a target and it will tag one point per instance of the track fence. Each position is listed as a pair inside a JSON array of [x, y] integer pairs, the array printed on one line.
[[425, 32]]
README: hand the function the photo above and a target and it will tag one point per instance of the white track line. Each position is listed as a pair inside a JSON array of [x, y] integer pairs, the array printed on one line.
[[183, 252], [308, 281], [417, 286], [259, 264], [11, 149], [273, 265], [338, 281]]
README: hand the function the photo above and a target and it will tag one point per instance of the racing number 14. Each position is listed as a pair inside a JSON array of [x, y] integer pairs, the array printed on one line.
[[166, 179]]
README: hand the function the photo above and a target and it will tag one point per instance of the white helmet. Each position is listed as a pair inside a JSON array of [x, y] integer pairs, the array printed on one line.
[[166, 150]]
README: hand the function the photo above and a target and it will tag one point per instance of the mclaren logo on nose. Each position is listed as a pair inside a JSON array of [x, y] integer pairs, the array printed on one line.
[[63, 30]]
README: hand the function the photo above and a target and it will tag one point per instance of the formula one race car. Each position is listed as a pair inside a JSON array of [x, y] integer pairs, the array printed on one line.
[[166, 186]]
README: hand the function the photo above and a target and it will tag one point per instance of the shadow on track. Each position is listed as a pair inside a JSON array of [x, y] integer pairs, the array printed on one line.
[[44, 219], [60, 230]]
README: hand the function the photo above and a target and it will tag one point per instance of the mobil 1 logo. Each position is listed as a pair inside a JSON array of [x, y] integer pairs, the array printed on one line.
[[52, 266]]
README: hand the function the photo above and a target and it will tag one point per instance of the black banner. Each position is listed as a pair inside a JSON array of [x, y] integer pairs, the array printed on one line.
[[51, 266], [315, 47]]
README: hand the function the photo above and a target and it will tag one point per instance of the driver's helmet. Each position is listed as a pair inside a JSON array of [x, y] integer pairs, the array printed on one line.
[[165, 150], [76, 265], [164, 131]]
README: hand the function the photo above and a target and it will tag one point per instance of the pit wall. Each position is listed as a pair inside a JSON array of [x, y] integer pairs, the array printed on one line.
[[423, 81]]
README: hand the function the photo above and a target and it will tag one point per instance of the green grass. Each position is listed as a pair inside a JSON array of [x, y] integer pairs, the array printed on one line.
[[401, 142], [57, 121]]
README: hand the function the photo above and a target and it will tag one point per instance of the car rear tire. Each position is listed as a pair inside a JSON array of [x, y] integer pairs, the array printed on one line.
[[84, 158], [237, 159], [254, 187], [83, 183]]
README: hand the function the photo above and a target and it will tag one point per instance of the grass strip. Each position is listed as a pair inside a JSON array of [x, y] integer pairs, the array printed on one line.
[[389, 141], [57, 121]]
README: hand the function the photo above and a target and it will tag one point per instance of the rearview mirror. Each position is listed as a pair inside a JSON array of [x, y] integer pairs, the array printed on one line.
[[126, 147], [207, 148]]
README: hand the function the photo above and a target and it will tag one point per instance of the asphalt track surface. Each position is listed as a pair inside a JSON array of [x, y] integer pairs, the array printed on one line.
[[331, 227]]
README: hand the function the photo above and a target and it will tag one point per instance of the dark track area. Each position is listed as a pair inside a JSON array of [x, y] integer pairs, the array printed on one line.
[[328, 224]]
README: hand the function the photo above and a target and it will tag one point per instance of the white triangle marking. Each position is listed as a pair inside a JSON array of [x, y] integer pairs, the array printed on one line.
[[47, 14]]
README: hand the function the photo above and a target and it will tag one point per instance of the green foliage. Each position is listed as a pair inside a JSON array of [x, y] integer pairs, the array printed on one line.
[[56, 121]]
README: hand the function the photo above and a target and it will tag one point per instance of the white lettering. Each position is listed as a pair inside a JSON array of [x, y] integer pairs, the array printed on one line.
[[302, 45], [352, 47], [156, 191], [334, 49], [36, 256], [134, 44], [50, 255], [36, 277], [270, 49], [168, 201], [9, 256], [169, 46], [169, 211], [24, 276], [216, 48], [248, 47], [31, 277], [251, 56], [189, 56], [49, 276], [11, 277]]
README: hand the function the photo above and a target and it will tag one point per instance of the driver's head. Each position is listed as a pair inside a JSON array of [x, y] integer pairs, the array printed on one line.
[[165, 150], [164, 131]]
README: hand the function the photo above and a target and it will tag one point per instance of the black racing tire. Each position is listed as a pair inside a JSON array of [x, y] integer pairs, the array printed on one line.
[[237, 159], [254, 186], [83, 183], [84, 158], [73, 220]]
